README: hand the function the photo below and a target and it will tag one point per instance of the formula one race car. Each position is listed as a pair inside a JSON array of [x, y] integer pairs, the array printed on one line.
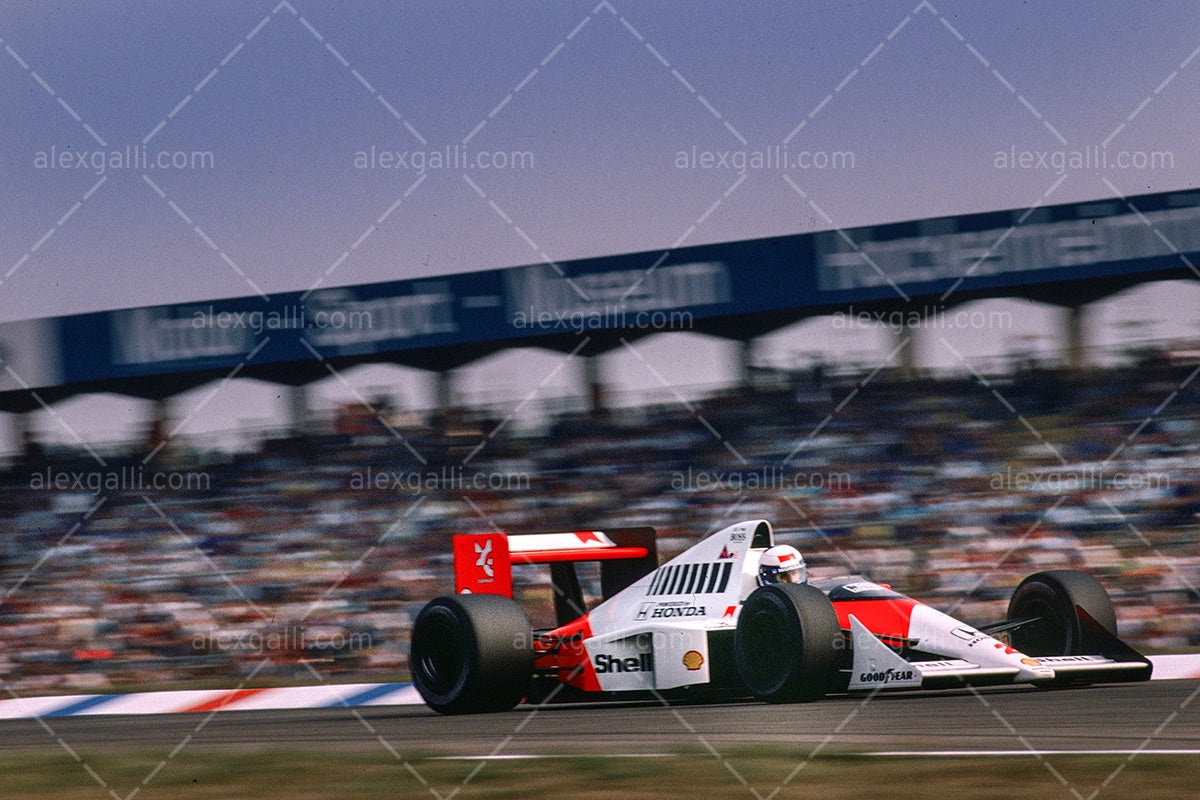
[[722, 618]]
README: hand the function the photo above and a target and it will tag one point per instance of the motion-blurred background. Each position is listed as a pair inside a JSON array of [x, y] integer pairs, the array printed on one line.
[[184, 501], [314, 551]]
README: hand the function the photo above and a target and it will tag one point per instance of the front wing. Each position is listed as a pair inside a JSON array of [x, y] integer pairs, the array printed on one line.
[[876, 667]]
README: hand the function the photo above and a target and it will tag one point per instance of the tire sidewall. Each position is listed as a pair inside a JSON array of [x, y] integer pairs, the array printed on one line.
[[784, 644], [438, 619], [768, 618], [472, 653], [1059, 594]]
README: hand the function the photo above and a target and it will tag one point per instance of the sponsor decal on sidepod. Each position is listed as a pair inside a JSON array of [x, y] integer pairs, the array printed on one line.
[[666, 610], [605, 663]]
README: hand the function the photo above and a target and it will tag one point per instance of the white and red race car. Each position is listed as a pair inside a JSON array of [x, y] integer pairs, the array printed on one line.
[[701, 624]]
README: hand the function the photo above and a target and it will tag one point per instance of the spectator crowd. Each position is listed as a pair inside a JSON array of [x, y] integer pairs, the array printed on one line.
[[307, 557]]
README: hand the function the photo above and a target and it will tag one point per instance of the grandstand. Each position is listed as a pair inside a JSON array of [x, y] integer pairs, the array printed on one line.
[[309, 548], [314, 552], [1069, 256]]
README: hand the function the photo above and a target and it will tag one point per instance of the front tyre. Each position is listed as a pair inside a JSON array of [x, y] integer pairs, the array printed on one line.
[[1053, 602], [472, 653], [785, 646]]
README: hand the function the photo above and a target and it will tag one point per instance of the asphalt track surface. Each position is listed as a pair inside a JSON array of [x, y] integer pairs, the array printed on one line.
[[1162, 715]]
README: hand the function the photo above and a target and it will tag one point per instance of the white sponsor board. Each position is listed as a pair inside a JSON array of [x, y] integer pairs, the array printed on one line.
[[29, 355]]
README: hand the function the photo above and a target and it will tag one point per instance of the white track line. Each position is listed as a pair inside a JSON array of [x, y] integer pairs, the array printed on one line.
[[1023, 753], [543, 756]]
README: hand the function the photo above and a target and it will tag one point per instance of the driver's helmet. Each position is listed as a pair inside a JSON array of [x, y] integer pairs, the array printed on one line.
[[781, 563]]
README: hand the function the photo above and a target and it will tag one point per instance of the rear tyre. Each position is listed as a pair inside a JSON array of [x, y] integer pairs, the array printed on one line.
[[1054, 600], [786, 644], [472, 653]]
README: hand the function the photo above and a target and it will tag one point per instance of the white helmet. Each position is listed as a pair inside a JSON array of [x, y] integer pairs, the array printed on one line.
[[781, 563]]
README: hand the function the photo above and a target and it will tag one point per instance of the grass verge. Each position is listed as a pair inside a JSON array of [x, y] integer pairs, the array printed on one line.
[[297, 774]]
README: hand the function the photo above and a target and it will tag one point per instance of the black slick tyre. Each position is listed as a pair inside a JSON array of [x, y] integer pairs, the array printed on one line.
[[472, 653], [1055, 602], [785, 644]]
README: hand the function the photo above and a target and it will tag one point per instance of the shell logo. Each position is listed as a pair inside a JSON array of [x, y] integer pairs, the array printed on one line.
[[693, 660]]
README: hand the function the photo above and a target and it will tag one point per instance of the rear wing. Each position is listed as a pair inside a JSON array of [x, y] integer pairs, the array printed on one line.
[[483, 562]]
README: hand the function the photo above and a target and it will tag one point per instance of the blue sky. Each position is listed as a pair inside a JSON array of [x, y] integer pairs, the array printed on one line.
[[269, 104]]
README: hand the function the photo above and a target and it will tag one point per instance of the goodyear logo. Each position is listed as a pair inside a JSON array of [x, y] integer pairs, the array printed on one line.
[[705, 578], [886, 676]]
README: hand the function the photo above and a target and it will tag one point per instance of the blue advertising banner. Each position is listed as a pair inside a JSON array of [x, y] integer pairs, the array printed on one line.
[[796, 274]]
